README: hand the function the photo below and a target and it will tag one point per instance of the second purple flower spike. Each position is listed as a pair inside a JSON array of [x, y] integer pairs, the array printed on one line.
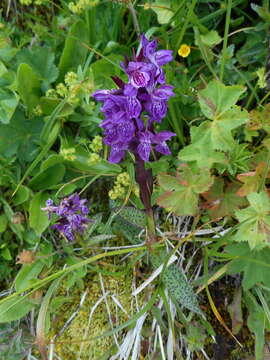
[[71, 216]]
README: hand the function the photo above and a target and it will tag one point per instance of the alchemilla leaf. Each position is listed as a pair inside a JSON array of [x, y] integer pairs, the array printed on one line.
[[217, 98], [181, 192], [254, 221]]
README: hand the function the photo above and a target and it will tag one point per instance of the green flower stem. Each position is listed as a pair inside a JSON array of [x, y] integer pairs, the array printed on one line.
[[144, 179], [225, 40], [184, 28]]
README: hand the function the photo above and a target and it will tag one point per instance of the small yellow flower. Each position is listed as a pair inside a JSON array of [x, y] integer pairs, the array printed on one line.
[[184, 50]]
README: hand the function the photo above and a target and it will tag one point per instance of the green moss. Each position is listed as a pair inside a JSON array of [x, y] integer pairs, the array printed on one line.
[[69, 343]]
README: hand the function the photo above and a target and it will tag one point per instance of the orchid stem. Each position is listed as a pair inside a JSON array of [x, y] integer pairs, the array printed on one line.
[[144, 179]]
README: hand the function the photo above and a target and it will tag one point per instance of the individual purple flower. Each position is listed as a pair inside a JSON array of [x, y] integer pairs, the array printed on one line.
[[71, 215], [144, 147], [160, 141], [139, 73], [131, 110], [147, 139]]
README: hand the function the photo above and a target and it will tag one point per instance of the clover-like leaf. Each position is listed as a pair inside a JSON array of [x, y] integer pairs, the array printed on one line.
[[254, 221], [181, 192]]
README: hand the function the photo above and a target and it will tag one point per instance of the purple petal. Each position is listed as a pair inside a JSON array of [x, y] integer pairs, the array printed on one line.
[[116, 155], [163, 136], [164, 92], [134, 107], [162, 57], [163, 148], [101, 95]]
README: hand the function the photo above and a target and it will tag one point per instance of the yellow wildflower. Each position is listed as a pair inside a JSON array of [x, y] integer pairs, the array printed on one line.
[[184, 50]]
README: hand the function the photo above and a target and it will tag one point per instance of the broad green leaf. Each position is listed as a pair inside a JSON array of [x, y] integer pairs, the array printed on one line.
[[254, 221], [38, 218], [21, 195], [74, 52], [201, 149], [252, 180], [217, 98], [20, 137], [223, 202], [51, 161], [182, 192], [14, 309], [221, 128], [28, 86], [52, 175], [27, 274], [255, 265], [211, 38], [41, 60], [8, 105], [163, 10]]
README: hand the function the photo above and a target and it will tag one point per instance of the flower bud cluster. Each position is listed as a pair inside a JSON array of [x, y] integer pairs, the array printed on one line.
[[81, 5], [71, 216], [131, 111], [120, 185]]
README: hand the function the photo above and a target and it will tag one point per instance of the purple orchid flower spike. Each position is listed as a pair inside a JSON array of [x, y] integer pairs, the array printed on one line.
[[147, 94], [71, 216], [131, 112]]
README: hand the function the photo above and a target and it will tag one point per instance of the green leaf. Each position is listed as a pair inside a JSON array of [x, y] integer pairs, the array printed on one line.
[[254, 264], [175, 281], [222, 126], [104, 68], [20, 137], [74, 52], [211, 38], [28, 86], [41, 60], [201, 149], [256, 322], [14, 309], [8, 105], [217, 98], [27, 274], [52, 175], [38, 218], [22, 195], [252, 180], [182, 192], [223, 202], [163, 11], [3, 222], [51, 161], [81, 162], [254, 221]]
